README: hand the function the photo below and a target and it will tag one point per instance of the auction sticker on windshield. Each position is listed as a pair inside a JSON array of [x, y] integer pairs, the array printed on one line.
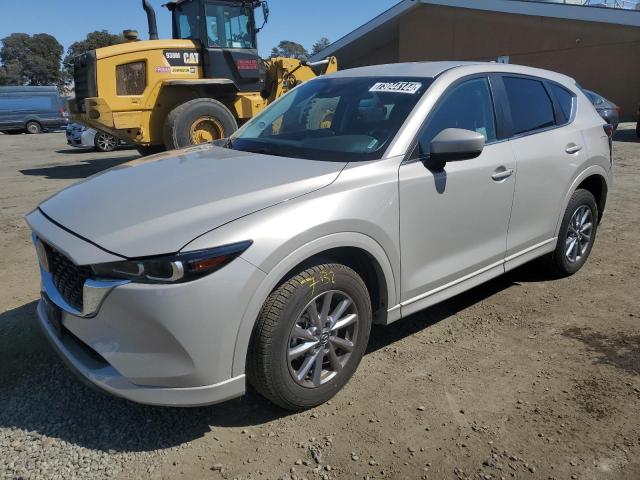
[[398, 87]]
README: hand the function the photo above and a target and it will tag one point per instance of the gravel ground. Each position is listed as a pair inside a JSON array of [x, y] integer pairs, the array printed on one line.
[[523, 377]]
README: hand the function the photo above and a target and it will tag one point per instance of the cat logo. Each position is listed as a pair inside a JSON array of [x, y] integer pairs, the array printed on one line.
[[191, 58], [182, 58]]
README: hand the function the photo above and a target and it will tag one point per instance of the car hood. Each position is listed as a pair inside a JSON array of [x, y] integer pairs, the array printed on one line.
[[157, 205]]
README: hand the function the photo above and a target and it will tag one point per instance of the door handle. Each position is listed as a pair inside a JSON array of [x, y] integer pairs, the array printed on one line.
[[573, 148], [502, 174]]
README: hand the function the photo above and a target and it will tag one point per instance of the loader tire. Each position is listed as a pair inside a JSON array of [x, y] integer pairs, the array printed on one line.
[[197, 121]]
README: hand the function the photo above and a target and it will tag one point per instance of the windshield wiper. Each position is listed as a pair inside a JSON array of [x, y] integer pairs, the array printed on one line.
[[223, 143]]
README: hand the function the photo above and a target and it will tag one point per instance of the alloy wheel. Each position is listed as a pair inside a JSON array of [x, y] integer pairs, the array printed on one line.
[[322, 339], [106, 143], [579, 234]]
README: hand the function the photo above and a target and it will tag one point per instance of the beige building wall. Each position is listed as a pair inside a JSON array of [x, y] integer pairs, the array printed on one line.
[[387, 53], [600, 56]]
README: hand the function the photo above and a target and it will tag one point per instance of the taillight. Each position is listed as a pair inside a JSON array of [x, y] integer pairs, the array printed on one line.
[[608, 129]]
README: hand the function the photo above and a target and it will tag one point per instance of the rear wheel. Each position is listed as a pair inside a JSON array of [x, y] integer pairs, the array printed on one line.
[[310, 337], [198, 121], [34, 127], [577, 234], [104, 142]]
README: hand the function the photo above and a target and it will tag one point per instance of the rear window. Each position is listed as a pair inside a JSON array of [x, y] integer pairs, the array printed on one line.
[[531, 107], [21, 104], [565, 99]]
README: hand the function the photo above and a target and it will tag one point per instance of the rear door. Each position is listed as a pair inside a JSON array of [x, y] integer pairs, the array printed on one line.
[[453, 222], [547, 145]]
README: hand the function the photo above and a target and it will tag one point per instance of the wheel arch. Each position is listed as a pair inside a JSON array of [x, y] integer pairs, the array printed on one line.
[[597, 185], [172, 95], [358, 251], [593, 179]]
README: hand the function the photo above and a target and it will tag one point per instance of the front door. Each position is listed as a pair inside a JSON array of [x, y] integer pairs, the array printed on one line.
[[453, 222]]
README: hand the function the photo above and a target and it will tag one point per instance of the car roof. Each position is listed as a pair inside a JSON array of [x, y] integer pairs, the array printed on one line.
[[434, 69]]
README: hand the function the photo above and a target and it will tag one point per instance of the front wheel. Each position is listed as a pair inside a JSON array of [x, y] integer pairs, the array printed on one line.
[[104, 142], [577, 234], [198, 121], [310, 337]]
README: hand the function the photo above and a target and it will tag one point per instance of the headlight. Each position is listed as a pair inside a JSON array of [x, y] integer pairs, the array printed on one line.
[[182, 267], [131, 78]]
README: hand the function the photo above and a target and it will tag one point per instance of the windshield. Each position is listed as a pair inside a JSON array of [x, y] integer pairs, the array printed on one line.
[[342, 119], [229, 27]]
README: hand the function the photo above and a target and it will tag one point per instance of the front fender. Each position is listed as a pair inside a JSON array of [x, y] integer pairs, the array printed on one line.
[[281, 268]]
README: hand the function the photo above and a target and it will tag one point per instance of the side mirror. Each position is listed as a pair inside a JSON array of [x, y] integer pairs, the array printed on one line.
[[455, 144], [265, 11]]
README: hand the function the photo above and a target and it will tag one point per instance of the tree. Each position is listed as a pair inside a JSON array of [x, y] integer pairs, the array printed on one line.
[[94, 40], [30, 60], [11, 74], [320, 45], [287, 48]]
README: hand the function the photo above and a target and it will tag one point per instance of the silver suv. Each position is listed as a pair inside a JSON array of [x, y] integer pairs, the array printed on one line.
[[359, 197]]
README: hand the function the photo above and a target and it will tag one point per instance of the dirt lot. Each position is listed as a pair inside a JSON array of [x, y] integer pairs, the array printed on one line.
[[524, 377]]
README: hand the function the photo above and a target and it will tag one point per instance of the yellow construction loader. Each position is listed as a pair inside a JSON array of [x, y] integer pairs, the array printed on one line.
[[191, 89]]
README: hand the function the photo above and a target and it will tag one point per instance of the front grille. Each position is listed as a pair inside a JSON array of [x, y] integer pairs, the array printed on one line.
[[68, 277], [84, 78]]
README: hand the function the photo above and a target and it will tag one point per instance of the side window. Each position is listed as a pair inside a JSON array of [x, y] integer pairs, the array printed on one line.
[[469, 106], [531, 107], [566, 100]]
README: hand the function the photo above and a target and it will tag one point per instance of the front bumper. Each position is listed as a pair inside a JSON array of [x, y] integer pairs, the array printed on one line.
[[154, 344], [100, 374]]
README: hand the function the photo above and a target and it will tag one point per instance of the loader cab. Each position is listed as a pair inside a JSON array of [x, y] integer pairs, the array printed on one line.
[[227, 37]]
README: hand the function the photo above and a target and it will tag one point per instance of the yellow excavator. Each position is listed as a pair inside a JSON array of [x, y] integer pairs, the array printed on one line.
[[194, 88]]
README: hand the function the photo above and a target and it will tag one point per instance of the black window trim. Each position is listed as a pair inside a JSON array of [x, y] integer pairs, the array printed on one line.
[[574, 102], [498, 113], [557, 110]]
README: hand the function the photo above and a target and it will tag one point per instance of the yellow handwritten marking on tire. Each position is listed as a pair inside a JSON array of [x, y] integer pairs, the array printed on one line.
[[323, 278]]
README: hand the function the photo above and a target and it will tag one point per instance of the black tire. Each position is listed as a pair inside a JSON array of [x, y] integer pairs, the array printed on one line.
[[149, 150], [559, 261], [177, 126], [103, 142], [34, 127], [268, 367], [638, 129]]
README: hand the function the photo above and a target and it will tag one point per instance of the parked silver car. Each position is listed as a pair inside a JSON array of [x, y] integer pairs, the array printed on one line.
[[608, 110], [358, 198], [82, 136]]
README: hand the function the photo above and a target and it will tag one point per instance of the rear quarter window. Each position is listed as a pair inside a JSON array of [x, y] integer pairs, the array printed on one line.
[[531, 106], [566, 100]]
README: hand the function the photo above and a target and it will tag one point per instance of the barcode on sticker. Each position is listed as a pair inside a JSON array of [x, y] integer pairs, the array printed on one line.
[[397, 87]]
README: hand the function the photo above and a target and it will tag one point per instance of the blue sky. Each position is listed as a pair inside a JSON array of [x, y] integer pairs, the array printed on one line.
[[303, 21]]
